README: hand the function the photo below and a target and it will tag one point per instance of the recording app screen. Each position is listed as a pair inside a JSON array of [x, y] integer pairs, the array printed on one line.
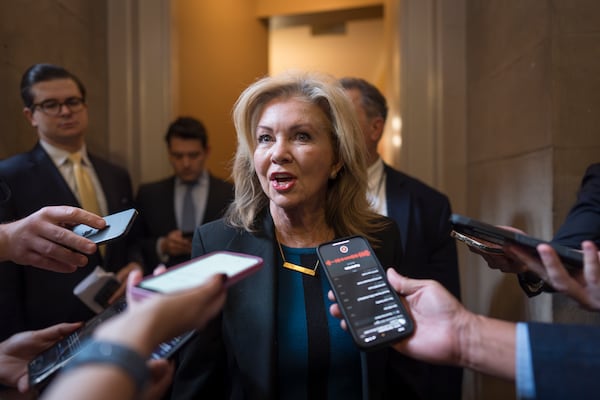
[[362, 290]]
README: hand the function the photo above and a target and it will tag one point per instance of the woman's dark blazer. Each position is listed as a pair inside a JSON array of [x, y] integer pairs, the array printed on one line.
[[235, 357]]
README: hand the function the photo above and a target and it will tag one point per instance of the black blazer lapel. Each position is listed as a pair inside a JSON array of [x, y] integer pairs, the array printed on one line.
[[52, 184], [249, 317], [398, 203]]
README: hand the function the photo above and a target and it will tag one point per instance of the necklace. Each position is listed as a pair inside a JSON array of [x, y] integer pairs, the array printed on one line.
[[296, 267]]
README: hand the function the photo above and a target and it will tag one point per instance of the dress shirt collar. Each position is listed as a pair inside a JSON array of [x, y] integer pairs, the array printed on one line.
[[59, 156], [202, 180]]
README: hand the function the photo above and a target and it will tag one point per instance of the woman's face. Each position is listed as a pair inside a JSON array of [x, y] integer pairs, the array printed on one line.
[[294, 154]]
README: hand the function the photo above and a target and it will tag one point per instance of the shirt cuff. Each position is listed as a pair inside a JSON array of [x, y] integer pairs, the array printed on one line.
[[524, 379]]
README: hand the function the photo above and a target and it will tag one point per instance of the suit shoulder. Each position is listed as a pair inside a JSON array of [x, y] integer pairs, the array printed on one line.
[[592, 172], [218, 182], [155, 185], [14, 164], [216, 234], [100, 162], [415, 186]]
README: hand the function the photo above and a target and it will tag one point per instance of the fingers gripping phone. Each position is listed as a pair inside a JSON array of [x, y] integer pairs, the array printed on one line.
[[196, 271], [572, 258], [373, 311], [117, 225], [43, 367], [477, 244]]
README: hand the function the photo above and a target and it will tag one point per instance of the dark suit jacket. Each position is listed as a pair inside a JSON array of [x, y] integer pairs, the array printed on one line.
[[566, 360], [582, 223], [32, 298], [155, 202], [235, 357], [422, 214]]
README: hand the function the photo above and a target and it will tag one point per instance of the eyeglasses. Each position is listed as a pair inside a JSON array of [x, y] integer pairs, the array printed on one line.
[[53, 107]]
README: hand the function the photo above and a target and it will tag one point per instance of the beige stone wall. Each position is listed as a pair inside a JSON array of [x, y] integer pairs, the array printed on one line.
[[69, 33], [533, 73]]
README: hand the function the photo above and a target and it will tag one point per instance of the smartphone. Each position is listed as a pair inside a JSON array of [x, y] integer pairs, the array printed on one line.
[[117, 225], [45, 365], [572, 258], [469, 241], [373, 311], [196, 271]]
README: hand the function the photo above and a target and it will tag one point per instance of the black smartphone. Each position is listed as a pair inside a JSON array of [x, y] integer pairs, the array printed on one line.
[[373, 311], [47, 364], [187, 235], [117, 225], [572, 258]]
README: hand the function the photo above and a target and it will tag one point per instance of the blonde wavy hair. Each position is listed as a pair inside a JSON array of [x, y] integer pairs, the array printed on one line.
[[347, 208]]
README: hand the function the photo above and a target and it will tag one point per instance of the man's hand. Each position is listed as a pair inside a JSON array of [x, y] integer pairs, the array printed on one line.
[[44, 239], [506, 262], [174, 244], [18, 350], [581, 285], [122, 277]]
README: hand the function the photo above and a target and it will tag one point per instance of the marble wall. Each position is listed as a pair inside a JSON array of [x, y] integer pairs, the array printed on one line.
[[70, 33], [533, 73]]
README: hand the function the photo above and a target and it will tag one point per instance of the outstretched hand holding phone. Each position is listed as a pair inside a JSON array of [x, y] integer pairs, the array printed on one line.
[[141, 328]]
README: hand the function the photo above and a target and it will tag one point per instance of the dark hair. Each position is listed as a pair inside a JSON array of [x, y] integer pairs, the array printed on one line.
[[42, 73], [373, 101], [187, 128]]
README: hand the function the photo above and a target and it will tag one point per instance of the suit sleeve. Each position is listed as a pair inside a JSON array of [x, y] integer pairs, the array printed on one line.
[[583, 221], [566, 360]]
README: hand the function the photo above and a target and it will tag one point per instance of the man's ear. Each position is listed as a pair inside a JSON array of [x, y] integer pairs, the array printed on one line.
[[377, 124], [29, 115]]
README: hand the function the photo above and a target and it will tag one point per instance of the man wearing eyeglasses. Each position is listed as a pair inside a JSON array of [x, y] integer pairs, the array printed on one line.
[[59, 170]]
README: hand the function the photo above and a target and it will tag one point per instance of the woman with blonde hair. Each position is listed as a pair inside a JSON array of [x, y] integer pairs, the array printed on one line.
[[300, 180]]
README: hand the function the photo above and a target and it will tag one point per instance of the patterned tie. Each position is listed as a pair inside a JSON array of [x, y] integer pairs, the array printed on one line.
[[188, 214], [85, 187]]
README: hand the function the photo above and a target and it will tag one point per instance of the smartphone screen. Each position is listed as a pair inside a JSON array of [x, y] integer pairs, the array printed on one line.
[[196, 271], [373, 311]]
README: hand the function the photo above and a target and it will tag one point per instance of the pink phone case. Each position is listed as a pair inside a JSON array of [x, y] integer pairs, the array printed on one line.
[[195, 272]]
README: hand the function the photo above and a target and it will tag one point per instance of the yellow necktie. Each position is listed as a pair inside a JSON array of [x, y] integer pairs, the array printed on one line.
[[85, 187]]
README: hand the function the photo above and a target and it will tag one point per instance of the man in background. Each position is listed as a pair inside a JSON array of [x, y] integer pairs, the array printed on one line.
[[421, 214], [171, 209], [59, 170]]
